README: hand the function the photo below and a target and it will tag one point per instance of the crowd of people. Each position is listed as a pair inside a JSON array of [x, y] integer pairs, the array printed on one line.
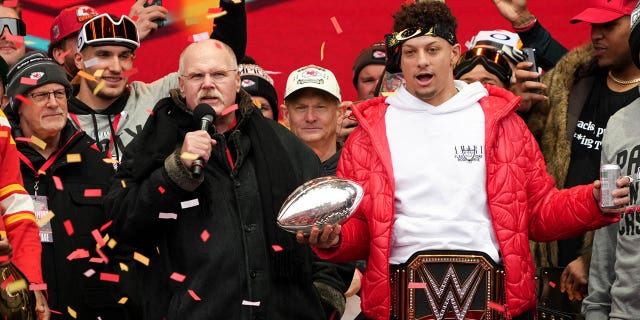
[[480, 170]]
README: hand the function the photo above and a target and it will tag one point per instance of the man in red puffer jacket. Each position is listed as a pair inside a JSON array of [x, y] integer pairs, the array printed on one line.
[[449, 166]]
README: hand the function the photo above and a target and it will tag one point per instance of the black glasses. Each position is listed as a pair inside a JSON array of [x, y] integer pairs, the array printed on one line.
[[40, 97], [102, 29], [16, 26]]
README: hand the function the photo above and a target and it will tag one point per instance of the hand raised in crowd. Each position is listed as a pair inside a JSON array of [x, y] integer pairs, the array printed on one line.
[[42, 307], [620, 196], [574, 279], [515, 11], [525, 86], [146, 15], [6, 251], [327, 238], [198, 143], [347, 122]]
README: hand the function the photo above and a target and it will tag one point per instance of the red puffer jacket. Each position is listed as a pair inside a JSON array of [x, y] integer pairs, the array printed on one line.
[[522, 200]]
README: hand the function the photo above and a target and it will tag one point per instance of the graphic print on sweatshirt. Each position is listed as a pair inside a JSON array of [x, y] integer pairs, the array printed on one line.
[[469, 153], [630, 220]]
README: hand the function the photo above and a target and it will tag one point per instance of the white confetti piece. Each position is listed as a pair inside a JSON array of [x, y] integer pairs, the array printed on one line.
[[251, 303], [91, 62], [189, 203], [168, 215]]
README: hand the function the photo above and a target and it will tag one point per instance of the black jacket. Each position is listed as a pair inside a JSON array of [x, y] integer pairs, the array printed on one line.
[[246, 260], [66, 283]]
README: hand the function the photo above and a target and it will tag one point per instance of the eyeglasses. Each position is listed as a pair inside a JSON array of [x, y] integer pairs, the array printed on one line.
[[40, 97], [216, 76], [16, 26], [103, 30]]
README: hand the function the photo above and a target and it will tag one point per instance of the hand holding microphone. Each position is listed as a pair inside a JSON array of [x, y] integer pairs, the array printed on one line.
[[199, 142]]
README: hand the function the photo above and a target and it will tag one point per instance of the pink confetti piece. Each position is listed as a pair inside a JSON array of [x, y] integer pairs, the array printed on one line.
[[28, 81], [276, 248], [66, 53], [106, 225], [78, 254], [251, 303], [218, 45], [23, 139], [135, 18], [102, 255], [189, 203], [193, 295], [95, 147], [96, 260], [168, 215], [98, 237], [273, 72], [111, 277], [149, 111], [417, 285], [37, 286], [204, 236], [55, 311], [229, 109], [10, 3], [495, 306], [92, 193], [199, 37], [214, 10], [89, 273], [552, 284], [129, 73], [177, 277], [68, 227], [161, 189], [23, 99], [336, 25], [57, 182]]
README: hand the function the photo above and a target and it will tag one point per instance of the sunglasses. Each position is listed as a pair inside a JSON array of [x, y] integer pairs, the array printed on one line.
[[103, 30], [16, 26]]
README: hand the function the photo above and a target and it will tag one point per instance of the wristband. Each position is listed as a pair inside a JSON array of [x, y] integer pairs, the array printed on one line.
[[528, 25]]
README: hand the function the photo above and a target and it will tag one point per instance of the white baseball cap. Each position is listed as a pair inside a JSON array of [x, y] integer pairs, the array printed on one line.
[[312, 76]]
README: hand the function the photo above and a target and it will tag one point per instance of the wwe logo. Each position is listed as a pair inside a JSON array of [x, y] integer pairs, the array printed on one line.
[[450, 292]]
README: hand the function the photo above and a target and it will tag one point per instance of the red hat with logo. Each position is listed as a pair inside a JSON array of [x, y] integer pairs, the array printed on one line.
[[603, 11], [70, 20]]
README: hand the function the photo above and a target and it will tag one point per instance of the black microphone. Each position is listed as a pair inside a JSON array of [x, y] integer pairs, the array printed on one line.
[[206, 115]]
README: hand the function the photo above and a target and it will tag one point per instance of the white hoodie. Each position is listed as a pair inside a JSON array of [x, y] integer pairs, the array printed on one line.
[[439, 168]]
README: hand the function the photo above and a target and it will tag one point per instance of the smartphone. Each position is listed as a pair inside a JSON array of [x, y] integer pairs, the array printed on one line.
[[530, 55], [148, 3]]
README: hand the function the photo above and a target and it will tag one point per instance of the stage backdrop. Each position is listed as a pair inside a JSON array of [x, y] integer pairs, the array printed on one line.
[[287, 34]]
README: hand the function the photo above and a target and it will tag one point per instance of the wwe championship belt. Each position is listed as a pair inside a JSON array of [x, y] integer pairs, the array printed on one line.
[[446, 285]]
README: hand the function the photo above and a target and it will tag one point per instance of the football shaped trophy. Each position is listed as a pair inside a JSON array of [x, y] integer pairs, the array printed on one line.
[[325, 200]]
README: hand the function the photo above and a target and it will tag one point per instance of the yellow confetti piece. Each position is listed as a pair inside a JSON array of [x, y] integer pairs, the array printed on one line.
[[4, 134], [388, 94], [99, 87], [42, 172], [74, 157], [216, 15], [3, 234], [188, 156], [322, 51], [257, 103], [87, 76], [98, 73], [124, 267], [112, 243], [110, 160], [16, 286], [124, 184], [11, 141], [72, 312], [140, 258], [123, 300], [41, 144], [237, 1], [44, 219]]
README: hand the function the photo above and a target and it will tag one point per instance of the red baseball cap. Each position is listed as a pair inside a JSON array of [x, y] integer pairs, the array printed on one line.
[[70, 20], [603, 11]]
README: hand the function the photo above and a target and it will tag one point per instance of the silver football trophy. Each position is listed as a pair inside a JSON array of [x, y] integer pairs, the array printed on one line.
[[324, 200]]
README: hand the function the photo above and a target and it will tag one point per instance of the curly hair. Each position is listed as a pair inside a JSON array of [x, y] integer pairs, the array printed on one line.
[[427, 13]]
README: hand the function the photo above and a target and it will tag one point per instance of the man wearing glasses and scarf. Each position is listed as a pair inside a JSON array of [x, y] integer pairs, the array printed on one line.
[[454, 183]]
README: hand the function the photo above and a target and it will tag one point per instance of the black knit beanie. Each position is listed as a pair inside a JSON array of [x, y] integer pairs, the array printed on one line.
[[37, 67], [256, 82]]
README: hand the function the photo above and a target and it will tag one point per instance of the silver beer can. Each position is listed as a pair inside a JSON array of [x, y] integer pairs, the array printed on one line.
[[609, 174]]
